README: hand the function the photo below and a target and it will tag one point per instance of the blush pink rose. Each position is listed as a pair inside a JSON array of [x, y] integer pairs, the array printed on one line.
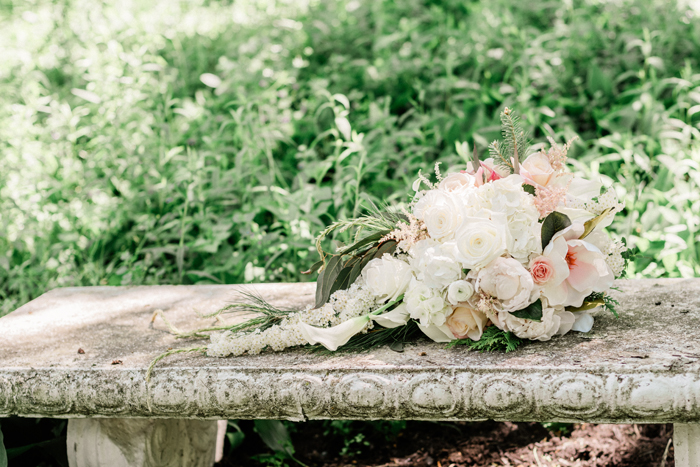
[[542, 269]]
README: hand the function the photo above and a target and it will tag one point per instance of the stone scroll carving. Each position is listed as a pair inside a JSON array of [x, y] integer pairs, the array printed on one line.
[[388, 394]]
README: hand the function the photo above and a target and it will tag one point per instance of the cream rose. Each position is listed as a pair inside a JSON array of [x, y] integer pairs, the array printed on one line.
[[459, 291], [478, 241], [387, 277], [457, 182], [508, 281], [434, 264], [466, 322], [537, 170]]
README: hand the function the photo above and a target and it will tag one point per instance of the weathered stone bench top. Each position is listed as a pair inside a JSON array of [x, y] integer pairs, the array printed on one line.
[[643, 367]]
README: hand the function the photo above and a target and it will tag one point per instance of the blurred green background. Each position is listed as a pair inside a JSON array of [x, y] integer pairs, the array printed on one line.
[[169, 142]]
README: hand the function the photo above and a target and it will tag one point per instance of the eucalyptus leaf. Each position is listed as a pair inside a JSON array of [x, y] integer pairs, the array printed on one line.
[[326, 279], [553, 223], [315, 267], [532, 312]]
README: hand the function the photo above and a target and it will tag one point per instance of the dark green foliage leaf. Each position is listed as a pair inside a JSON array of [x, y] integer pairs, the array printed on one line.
[[492, 340], [378, 337], [604, 299], [552, 224], [3, 453], [529, 189], [234, 434], [327, 278], [396, 346], [364, 242], [315, 267], [532, 312], [275, 435]]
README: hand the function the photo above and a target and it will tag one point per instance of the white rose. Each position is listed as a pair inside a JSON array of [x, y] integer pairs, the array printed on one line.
[[434, 264], [387, 277], [508, 281], [457, 182], [459, 291], [508, 195], [524, 234], [441, 212], [478, 241], [426, 304]]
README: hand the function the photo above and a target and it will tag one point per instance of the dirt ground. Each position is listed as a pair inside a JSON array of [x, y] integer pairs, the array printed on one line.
[[479, 444]]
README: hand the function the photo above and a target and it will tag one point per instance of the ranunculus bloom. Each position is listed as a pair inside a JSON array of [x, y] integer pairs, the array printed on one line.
[[434, 264], [537, 170], [586, 269], [478, 241], [387, 277], [465, 322], [459, 291], [441, 212], [508, 281]]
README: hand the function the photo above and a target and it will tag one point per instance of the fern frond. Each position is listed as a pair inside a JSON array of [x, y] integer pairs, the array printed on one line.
[[492, 340], [496, 152]]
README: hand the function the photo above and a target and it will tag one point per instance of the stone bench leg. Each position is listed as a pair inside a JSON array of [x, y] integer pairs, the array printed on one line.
[[134, 442], [686, 445]]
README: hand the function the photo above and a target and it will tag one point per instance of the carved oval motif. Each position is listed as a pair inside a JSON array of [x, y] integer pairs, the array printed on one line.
[[649, 396], [109, 396], [233, 395], [47, 397], [159, 445], [301, 395], [432, 395], [575, 396], [361, 395], [171, 396], [501, 397]]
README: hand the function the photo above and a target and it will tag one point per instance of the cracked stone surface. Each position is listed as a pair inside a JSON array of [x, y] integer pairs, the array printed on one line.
[[642, 367]]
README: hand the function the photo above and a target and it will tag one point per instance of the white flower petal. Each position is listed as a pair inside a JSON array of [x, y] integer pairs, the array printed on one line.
[[583, 323], [399, 316], [332, 338], [437, 333]]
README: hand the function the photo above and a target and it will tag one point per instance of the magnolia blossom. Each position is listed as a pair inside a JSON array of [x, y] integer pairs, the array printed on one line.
[[586, 269], [426, 304], [508, 281], [457, 182], [387, 277], [537, 170], [435, 264], [459, 291], [478, 241], [466, 321]]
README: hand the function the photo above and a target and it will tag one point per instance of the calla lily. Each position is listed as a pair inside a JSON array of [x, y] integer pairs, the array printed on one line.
[[568, 319], [437, 333], [395, 318], [334, 337], [584, 322]]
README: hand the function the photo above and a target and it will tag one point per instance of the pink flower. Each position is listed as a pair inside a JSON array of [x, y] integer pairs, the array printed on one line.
[[488, 172], [542, 269], [537, 169], [579, 268]]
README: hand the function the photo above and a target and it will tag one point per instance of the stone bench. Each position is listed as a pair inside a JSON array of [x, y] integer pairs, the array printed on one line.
[[641, 368]]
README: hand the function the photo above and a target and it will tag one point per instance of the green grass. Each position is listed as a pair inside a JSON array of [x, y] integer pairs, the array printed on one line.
[[120, 166]]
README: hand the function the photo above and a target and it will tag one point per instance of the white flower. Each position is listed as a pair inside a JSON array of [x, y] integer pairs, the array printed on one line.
[[441, 212], [457, 182], [508, 281], [542, 330], [426, 304], [459, 291], [332, 338], [478, 241], [434, 264], [584, 321], [466, 321], [387, 277], [508, 195], [437, 333], [537, 169], [393, 319]]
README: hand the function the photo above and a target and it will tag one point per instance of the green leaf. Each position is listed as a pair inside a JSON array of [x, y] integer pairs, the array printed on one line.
[[327, 278], [235, 438], [365, 241], [532, 312], [275, 435], [3, 453], [315, 267], [492, 340], [552, 224], [591, 224], [530, 189]]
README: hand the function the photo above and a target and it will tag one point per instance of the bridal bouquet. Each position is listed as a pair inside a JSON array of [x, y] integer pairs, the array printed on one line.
[[513, 247]]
